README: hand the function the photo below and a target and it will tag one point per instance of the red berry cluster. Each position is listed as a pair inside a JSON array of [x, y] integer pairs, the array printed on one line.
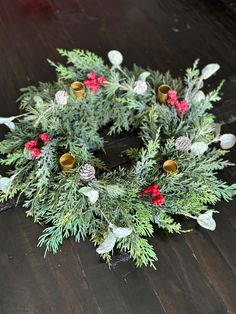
[[155, 193], [32, 145], [172, 100], [94, 82]]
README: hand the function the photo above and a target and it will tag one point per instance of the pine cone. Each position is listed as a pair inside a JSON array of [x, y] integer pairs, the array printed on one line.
[[183, 143], [87, 173], [61, 97]]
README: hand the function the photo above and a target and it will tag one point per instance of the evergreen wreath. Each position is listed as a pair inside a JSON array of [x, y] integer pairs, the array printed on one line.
[[50, 148]]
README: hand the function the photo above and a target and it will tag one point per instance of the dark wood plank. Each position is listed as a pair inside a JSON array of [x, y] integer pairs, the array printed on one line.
[[180, 275], [31, 284], [216, 269], [124, 290]]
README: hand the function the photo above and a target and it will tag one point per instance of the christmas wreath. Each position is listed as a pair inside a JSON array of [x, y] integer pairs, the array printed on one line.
[[51, 146]]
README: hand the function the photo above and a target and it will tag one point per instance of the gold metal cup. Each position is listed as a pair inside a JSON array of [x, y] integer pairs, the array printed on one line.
[[78, 89], [67, 162], [162, 92], [170, 166]]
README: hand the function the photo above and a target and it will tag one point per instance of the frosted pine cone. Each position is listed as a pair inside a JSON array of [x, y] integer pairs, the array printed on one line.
[[87, 173], [61, 97], [140, 87], [183, 143]]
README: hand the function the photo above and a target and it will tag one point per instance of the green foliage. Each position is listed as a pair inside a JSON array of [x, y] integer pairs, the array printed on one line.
[[80, 63], [53, 197]]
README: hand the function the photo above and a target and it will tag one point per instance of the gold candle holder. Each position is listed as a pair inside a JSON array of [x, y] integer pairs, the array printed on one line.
[[170, 166], [67, 162], [162, 92], [78, 89]]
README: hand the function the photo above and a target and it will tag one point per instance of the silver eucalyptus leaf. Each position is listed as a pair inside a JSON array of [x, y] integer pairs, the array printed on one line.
[[91, 193], [115, 58], [143, 76], [227, 141], [108, 244], [209, 70], [201, 84], [5, 184], [120, 232], [199, 96], [199, 148], [206, 221], [8, 122]]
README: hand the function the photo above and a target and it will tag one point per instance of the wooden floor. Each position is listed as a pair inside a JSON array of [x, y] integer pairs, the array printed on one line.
[[196, 271]]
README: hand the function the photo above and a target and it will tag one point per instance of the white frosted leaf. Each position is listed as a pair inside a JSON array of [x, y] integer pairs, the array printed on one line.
[[199, 148], [8, 122], [200, 96], [209, 70], [120, 232], [115, 57], [143, 76], [11, 125], [201, 84], [227, 141], [107, 245], [5, 184], [92, 194], [206, 221]]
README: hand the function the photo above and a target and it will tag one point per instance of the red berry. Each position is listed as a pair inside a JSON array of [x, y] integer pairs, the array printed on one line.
[[171, 97], [156, 192], [94, 88], [88, 83], [182, 106], [101, 80], [155, 201], [154, 186], [148, 190], [151, 188], [159, 200], [44, 137], [31, 144], [177, 105], [35, 152], [91, 76], [172, 93]]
